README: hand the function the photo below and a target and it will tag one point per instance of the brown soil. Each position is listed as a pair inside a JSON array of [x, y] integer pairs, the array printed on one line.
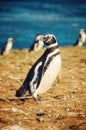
[[63, 107]]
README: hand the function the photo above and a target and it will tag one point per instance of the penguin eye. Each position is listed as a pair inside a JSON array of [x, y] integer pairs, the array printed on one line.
[[48, 36], [37, 41]]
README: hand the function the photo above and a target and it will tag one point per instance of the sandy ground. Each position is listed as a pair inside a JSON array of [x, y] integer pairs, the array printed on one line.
[[63, 107]]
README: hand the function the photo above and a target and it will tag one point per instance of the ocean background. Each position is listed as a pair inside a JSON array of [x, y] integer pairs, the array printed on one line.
[[22, 19]]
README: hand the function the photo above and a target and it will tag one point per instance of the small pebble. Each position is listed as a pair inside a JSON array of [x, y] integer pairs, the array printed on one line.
[[14, 109], [64, 98], [40, 119]]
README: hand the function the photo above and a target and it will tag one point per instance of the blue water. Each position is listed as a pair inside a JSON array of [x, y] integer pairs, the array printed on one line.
[[23, 19]]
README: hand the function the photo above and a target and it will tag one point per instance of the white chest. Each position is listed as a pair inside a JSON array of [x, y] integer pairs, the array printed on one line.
[[50, 75], [9, 46]]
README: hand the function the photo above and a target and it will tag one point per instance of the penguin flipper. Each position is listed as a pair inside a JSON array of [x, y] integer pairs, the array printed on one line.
[[38, 71], [3, 49]]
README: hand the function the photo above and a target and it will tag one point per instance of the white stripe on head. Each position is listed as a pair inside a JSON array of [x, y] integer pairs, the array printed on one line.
[[49, 39]]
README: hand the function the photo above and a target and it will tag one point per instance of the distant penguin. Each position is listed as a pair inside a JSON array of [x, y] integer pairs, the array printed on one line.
[[44, 71], [8, 46], [82, 38], [38, 43]]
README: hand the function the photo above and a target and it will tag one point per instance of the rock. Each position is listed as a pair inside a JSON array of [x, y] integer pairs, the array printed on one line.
[[14, 109], [40, 119], [65, 98]]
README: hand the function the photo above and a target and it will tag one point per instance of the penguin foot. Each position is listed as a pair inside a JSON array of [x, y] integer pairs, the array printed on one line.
[[38, 98]]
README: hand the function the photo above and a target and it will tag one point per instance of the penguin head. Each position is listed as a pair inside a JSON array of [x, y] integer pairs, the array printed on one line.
[[49, 39], [38, 38], [10, 39], [82, 31], [38, 44], [22, 91]]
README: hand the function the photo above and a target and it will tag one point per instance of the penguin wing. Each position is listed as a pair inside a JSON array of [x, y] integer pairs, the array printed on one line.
[[31, 48], [3, 49], [35, 73]]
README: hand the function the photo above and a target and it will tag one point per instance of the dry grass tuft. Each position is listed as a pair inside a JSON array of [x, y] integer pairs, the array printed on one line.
[[63, 107]]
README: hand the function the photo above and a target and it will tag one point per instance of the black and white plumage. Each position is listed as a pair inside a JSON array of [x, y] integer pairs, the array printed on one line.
[[7, 47], [38, 43], [44, 71], [81, 39]]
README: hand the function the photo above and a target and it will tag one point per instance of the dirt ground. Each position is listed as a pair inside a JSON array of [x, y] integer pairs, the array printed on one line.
[[63, 107]]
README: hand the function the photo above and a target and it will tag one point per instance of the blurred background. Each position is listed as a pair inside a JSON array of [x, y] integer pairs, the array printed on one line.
[[22, 19]]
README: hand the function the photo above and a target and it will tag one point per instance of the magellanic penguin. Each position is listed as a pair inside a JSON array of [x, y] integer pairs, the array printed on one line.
[[38, 43], [44, 71], [82, 38], [7, 47]]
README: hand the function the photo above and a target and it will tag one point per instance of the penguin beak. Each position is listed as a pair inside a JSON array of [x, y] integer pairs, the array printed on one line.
[[44, 38]]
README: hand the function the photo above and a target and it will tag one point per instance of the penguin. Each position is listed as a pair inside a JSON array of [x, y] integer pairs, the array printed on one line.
[[82, 38], [38, 43], [44, 71], [7, 47]]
